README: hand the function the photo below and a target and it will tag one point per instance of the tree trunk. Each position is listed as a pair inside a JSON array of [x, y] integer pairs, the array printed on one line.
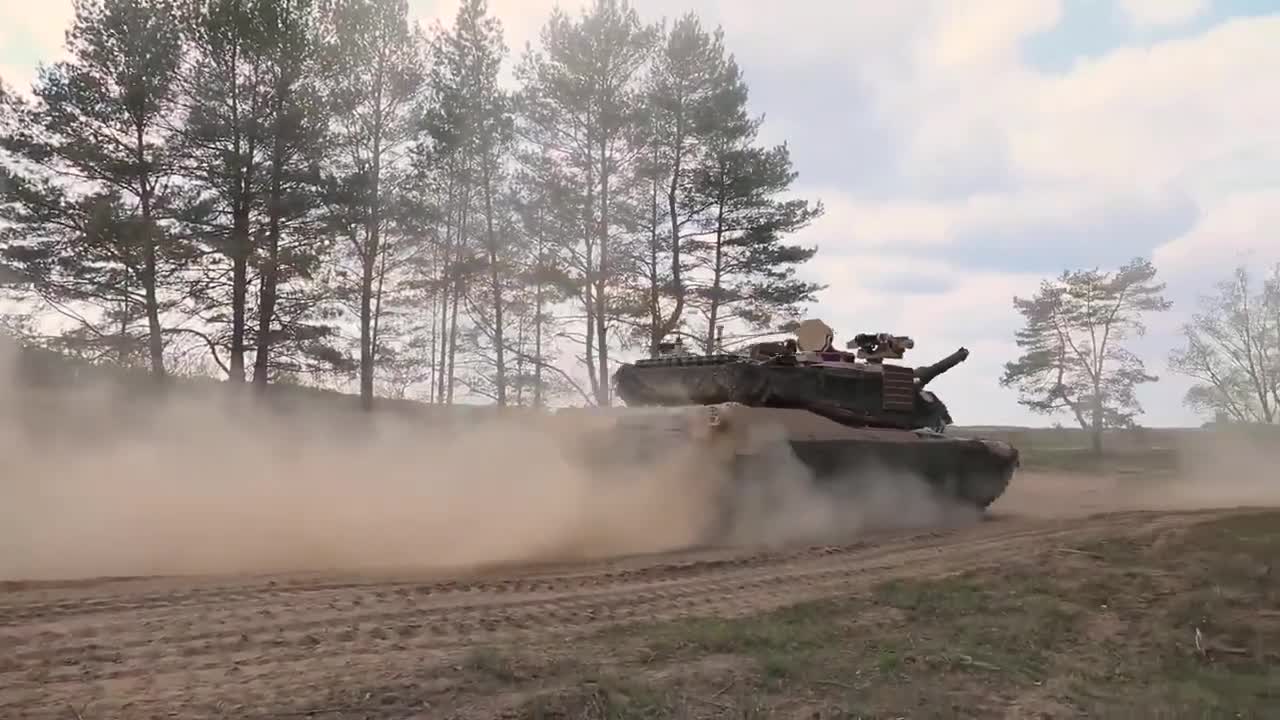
[[453, 344], [371, 250], [655, 297], [521, 347], [589, 278], [366, 322], [447, 273], [1096, 430], [713, 314], [377, 303], [677, 283], [602, 306], [500, 369], [270, 282], [240, 189], [124, 355], [537, 321], [368, 258], [155, 342], [434, 374], [239, 287], [268, 292], [459, 243]]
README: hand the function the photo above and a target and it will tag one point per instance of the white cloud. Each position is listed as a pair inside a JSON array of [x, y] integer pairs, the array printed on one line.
[[1242, 229], [39, 25], [1132, 117], [1154, 115], [982, 33], [521, 19], [30, 34], [17, 77], [1160, 13], [1022, 216]]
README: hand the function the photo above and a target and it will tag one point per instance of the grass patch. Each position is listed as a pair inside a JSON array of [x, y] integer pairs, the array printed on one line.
[[606, 698], [489, 663], [1181, 627], [1140, 462]]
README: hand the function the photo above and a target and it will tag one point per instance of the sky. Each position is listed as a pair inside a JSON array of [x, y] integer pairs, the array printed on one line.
[[965, 150]]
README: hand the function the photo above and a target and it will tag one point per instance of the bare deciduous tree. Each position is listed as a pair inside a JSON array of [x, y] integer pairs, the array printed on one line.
[[1233, 349]]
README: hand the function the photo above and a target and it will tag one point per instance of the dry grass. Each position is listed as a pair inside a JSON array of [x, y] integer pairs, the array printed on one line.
[[1176, 627]]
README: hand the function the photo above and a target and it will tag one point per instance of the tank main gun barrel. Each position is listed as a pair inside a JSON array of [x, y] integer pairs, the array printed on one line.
[[926, 373]]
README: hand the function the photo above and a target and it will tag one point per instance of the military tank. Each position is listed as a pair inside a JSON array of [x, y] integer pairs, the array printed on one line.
[[845, 415]]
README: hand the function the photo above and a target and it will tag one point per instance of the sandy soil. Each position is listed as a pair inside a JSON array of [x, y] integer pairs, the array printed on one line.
[[279, 645]]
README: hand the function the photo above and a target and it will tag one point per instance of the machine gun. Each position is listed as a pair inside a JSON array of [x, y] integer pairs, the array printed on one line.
[[676, 348], [876, 347]]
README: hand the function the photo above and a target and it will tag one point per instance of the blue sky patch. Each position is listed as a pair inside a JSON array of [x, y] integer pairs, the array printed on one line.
[[1092, 28], [1105, 236]]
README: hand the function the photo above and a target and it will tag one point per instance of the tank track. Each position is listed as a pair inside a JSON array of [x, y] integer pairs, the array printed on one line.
[[749, 450]]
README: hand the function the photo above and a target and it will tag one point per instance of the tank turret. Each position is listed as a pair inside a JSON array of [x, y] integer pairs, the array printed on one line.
[[856, 388]]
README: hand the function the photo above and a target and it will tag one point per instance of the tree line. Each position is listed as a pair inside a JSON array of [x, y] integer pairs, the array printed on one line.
[[1075, 358], [278, 190], [287, 190]]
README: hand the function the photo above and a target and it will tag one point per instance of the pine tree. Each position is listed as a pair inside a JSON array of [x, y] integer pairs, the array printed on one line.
[[687, 89], [470, 124], [547, 211], [1075, 359], [293, 335], [223, 152], [254, 174], [748, 272], [372, 99], [582, 105], [88, 197]]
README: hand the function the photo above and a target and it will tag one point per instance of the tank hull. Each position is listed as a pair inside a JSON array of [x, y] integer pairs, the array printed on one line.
[[962, 469], [724, 448]]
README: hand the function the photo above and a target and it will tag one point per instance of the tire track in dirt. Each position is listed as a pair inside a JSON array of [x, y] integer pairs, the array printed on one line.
[[363, 603], [26, 601], [657, 584], [233, 641]]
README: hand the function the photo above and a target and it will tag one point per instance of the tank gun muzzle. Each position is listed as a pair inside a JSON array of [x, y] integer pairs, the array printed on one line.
[[926, 373]]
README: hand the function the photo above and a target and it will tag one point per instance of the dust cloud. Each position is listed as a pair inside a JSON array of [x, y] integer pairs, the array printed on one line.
[[1220, 468], [102, 482], [1214, 469]]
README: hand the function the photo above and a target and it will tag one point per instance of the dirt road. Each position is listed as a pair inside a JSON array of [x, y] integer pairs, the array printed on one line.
[[283, 646]]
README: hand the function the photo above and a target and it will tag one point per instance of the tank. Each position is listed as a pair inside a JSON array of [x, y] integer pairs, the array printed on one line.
[[845, 415]]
